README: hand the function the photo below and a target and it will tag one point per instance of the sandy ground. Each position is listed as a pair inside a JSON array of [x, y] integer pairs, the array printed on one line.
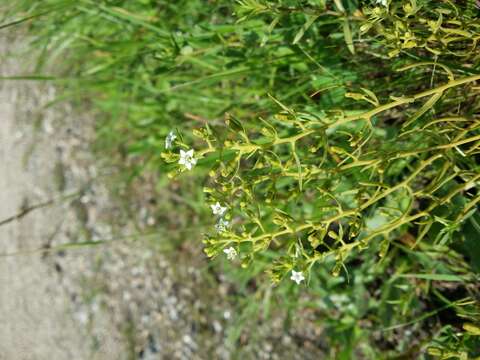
[[38, 320]]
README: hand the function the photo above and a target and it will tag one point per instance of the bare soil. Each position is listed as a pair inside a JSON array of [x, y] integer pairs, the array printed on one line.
[[38, 312]]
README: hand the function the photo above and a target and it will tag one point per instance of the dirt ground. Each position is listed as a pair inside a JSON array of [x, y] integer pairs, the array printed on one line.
[[38, 317]]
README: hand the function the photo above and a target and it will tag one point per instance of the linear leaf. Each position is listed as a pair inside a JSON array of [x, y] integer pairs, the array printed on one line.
[[347, 31], [304, 28], [426, 107], [435, 277]]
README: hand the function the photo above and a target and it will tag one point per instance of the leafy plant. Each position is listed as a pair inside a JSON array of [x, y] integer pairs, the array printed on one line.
[[337, 144]]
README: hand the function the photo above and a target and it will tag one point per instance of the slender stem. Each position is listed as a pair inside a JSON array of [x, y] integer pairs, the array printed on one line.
[[367, 115]]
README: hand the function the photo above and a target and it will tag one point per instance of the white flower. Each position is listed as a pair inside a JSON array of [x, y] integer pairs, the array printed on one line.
[[218, 209], [221, 225], [187, 159], [297, 276], [231, 253], [169, 139], [382, 2]]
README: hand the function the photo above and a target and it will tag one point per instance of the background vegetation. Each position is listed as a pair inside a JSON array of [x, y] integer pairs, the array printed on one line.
[[342, 136]]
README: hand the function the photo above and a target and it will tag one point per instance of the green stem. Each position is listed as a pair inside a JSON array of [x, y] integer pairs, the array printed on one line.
[[406, 100]]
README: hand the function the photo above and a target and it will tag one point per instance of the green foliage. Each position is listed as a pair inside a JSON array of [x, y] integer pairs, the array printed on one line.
[[342, 137]]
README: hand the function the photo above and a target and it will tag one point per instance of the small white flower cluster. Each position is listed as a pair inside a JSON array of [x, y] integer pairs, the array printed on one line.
[[382, 2], [187, 158], [222, 226], [170, 139], [231, 253], [218, 209], [297, 276]]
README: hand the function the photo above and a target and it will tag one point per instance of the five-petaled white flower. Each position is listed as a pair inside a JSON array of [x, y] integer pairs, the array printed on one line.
[[187, 159], [169, 139], [221, 225], [382, 2], [297, 276], [218, 209], [231, 253]]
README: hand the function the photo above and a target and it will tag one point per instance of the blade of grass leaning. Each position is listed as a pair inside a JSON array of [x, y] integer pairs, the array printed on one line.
[[435, 277]]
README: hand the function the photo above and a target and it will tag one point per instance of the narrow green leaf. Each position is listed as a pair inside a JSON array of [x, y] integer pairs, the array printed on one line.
[[426, 107], [347, 31], [339, 5], [434, 277], [304, 28]]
